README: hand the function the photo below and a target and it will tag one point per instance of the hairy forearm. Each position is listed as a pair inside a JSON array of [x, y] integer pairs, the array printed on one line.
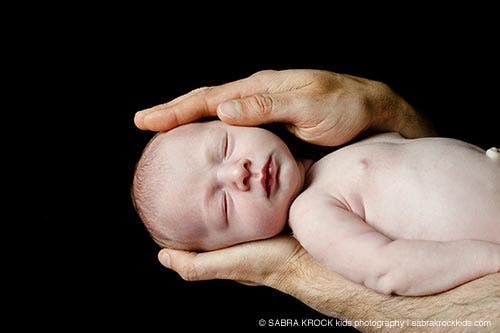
[[414, 124], [329, 293], [396, 115]]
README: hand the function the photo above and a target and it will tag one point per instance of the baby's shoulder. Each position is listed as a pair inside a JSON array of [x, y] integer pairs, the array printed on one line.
[[311, 199], [363, 147], [312, 208]]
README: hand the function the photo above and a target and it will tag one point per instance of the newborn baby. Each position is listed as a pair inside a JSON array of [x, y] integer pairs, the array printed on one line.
[[410, 217]]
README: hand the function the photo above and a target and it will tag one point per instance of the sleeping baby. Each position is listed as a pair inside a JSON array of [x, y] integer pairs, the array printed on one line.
[[400, 216]]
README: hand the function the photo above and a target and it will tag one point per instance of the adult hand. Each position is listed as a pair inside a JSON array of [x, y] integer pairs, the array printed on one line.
[[260, 262], [281, 263], [318, 106]]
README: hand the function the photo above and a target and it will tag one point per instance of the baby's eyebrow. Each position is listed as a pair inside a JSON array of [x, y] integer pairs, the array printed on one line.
[[211, 145], [208, 148]]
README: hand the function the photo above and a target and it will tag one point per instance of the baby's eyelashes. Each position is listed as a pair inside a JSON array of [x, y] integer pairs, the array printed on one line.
[[225, 145], [224, 207]]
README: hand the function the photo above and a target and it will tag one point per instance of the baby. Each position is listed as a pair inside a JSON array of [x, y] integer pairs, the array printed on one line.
[[409, 217]]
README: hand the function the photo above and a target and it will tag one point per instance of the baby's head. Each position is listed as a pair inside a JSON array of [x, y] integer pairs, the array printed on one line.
[[209, 185]]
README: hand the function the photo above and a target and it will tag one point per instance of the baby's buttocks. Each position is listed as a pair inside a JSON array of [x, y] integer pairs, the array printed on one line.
[[432, 188]]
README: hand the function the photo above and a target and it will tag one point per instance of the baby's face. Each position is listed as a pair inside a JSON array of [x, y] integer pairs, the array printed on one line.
[[225, 184]]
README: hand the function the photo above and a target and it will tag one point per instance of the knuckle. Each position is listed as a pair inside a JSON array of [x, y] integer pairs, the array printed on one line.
[[264, 72], [262, 104], [355, 100], [201, 89], [380, 90], [319, 75], [381, 86], [324, 83], [189, 272], [361, 106]]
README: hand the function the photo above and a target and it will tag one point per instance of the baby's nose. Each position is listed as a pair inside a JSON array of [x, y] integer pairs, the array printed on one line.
[[238, 174]]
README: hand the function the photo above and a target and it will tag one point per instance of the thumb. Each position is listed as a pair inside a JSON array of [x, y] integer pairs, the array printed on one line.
[[194, 266], [257, 109], [251, 262]]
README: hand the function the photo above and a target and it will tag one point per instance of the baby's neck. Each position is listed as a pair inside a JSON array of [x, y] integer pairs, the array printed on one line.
[[306, 163]]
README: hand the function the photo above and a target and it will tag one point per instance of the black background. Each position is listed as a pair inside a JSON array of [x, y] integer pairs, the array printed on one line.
[[86, 259]]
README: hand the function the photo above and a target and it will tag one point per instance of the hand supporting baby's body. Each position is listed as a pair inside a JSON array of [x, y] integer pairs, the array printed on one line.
[[410, 217]]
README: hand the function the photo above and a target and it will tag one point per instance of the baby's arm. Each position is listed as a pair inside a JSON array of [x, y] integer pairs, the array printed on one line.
[[344, 242]]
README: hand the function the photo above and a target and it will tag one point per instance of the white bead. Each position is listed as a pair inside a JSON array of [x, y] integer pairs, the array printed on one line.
[[493, 153]]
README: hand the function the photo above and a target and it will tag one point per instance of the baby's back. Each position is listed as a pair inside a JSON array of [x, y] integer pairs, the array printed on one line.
[[429, 188]]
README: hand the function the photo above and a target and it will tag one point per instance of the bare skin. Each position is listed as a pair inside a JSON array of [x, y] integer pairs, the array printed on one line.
[[338, 107], [406, 216], [281, 263]]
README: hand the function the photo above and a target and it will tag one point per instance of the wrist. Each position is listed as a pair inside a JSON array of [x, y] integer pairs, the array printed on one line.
[[394, 114], [414, 124], [319, 288]]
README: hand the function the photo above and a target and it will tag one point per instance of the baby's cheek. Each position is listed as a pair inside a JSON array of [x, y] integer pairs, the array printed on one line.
[[270, 225]]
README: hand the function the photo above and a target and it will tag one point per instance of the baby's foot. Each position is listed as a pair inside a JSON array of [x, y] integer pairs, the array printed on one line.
[[493, 153]]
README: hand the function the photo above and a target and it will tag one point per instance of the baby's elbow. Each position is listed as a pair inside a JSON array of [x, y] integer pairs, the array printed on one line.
[[392, 282]]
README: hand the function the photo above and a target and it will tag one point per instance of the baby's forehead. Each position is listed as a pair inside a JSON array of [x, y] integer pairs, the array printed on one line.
[[175, 138], [182, 158], [175, 175], [192, 132], [201, 128]]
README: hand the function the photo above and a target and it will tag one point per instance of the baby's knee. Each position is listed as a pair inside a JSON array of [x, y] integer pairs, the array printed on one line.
[[493, 153]]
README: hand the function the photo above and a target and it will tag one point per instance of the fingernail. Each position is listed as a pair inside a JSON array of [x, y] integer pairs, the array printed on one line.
[[139, 118], [165, 259], [230, 109]]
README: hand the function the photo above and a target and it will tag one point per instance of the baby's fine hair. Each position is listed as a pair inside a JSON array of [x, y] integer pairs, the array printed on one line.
[[144, 190]]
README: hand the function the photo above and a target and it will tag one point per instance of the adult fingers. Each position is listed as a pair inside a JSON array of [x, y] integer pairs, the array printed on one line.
[[181, 110], [139, 116], [263, 108], [193, 266], [199, 103], [251, 262]]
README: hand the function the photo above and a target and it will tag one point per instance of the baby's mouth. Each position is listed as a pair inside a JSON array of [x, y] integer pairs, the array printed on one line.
[[267, 179]]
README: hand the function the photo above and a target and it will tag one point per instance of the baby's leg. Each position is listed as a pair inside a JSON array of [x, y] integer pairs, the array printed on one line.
[[493, 153]]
